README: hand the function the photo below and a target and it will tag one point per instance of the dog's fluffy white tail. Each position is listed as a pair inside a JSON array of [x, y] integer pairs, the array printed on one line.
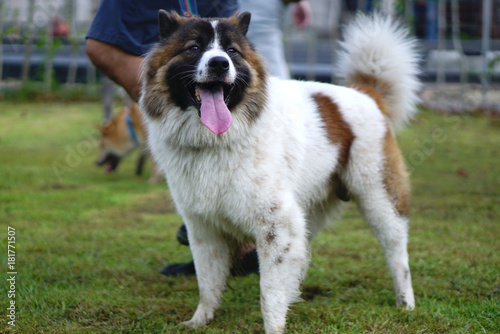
[[379, 56]]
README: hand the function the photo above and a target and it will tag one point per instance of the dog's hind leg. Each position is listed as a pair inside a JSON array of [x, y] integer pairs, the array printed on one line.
[[212, 254], [391, 230], [283, 252], [382, 195]]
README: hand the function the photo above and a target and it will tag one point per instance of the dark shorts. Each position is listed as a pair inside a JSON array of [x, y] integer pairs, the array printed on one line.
[[132, 25]]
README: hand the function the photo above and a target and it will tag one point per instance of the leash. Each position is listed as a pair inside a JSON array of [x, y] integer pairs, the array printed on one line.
[[131, 130], [189, 8], [130, 126]]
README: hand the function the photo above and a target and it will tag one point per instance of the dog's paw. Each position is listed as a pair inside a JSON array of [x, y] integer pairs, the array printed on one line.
[[201, 318], [406, 303], [190, 324], [408, 306]]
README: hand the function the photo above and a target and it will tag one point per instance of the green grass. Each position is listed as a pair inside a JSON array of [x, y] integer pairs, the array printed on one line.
[[89, 245], [35, 91]]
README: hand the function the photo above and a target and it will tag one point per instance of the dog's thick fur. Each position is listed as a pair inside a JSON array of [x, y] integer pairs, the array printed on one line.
[[293, 151]]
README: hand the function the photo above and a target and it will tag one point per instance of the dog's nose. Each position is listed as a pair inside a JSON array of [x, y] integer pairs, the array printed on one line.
[[219, 65]]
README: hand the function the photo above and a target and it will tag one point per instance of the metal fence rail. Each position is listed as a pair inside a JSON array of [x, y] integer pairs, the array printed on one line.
[[449, 54]]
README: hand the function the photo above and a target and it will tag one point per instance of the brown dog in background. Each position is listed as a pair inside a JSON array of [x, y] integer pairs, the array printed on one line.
[[120, 136]]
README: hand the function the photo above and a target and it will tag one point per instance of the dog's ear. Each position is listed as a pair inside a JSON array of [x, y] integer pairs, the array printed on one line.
[[168, 23], [242, 21], [106, 129]]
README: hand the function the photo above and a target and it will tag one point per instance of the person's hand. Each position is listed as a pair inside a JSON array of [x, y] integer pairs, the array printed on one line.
[[302, 15]]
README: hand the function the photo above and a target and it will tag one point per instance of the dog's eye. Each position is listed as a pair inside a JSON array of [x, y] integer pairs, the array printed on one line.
[[194, 48], [232, 51]]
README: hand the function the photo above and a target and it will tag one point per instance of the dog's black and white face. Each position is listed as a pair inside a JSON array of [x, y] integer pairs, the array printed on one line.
[[205, 63]]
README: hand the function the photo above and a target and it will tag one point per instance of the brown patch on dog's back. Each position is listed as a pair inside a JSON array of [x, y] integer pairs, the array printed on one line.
[[375, 88], [396, 177], [339, 132]]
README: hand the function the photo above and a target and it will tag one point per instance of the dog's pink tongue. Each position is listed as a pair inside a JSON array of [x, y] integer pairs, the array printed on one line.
[[214, 113]]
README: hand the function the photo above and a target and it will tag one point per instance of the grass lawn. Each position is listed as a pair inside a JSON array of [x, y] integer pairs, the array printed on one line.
[[89, 245]]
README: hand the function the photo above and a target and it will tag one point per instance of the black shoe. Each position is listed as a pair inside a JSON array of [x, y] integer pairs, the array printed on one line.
[[185, 269], [182, 235], [248, 264]]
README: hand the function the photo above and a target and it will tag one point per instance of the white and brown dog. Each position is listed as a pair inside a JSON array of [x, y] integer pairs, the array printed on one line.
[[251, 157]]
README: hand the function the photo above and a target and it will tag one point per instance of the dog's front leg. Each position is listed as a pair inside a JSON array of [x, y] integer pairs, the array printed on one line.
[[212, 258], [283, 260]]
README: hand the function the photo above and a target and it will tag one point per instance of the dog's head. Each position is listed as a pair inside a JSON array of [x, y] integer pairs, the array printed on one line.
[[111, 151], [116, 140], [206, 64]]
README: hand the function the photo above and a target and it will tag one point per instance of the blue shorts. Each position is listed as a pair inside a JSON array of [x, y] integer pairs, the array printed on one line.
[[132, 25]]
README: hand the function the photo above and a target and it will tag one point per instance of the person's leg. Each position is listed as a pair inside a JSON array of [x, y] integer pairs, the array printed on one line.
[[265, 33], [247, 263], [120, 66]]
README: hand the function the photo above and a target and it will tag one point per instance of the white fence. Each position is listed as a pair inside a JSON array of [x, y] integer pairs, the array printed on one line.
[[455, 54]]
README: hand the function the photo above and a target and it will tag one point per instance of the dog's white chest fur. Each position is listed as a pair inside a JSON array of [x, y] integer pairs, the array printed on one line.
[[284, 153]]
